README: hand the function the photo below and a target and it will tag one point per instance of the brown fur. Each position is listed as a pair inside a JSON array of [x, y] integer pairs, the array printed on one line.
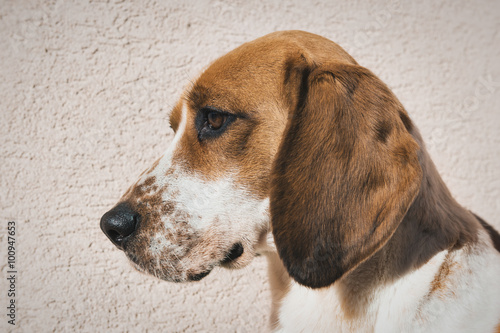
[[248, 82], [351, 175], [355, 198], [175, 117], [344, 176], [354, 195]]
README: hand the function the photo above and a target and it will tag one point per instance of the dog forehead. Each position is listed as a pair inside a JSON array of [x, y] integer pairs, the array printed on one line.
[[241, 80], [253, 74]]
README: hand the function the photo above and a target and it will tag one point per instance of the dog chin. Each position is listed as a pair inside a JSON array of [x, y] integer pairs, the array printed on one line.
[[236, 257], [191, 275]]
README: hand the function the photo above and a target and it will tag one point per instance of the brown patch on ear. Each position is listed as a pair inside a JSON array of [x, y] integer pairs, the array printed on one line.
[[383, 129], [345, 174]]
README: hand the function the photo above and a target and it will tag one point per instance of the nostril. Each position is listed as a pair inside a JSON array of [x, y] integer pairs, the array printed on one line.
[[115, 235], [120, 223]]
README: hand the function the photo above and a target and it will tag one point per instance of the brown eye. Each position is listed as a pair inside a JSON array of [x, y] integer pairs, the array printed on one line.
[[211, 123], [215, 120]]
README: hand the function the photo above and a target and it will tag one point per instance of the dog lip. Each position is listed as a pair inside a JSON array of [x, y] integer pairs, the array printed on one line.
[[234, 253], [199, 276]]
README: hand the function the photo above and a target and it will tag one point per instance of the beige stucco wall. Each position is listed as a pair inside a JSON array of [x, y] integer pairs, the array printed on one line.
[[85, 89]]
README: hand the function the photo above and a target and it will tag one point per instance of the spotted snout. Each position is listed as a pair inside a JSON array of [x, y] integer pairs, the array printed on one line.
[[177, 254]]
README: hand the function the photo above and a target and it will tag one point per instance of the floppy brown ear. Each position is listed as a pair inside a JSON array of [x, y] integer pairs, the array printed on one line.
[[345, 174]]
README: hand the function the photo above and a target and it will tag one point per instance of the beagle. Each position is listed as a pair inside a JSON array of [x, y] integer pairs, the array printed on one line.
[[287, 147]]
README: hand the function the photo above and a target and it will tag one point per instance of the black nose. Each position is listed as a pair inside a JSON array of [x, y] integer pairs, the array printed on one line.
[[119, 223]]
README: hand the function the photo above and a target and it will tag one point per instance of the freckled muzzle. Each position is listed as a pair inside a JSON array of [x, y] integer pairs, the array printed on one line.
[[177, 253], [159, 251], [177, 226]]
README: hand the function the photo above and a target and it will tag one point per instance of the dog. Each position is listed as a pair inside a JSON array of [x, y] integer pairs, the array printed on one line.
[[286, 147]]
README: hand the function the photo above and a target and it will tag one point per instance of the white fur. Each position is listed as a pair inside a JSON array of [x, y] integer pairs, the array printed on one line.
[[404, 306]]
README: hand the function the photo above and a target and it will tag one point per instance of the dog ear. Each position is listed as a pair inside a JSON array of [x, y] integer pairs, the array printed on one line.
[[344, 176]]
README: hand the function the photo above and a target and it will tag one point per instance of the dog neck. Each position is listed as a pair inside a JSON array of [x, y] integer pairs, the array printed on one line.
[[434, 222]]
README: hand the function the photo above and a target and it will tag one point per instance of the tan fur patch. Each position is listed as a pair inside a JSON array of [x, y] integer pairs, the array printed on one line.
[[439, 284]]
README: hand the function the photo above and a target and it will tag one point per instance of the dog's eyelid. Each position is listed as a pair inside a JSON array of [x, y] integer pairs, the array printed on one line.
[[208, 108]]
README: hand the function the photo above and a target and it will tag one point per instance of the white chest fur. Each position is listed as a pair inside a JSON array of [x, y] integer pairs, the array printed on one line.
[[413, 303]]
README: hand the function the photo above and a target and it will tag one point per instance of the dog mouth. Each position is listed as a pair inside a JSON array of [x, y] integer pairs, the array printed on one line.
[[199, 276], [229, 261], [233, 254]]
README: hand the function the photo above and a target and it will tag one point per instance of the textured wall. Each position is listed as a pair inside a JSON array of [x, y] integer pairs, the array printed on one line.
[[85, 89]]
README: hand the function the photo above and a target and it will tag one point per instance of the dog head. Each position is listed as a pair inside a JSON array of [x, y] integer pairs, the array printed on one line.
[[286, 133]]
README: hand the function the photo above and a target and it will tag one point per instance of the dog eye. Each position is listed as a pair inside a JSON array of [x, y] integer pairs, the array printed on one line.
[[215, 120], [211, 122]]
